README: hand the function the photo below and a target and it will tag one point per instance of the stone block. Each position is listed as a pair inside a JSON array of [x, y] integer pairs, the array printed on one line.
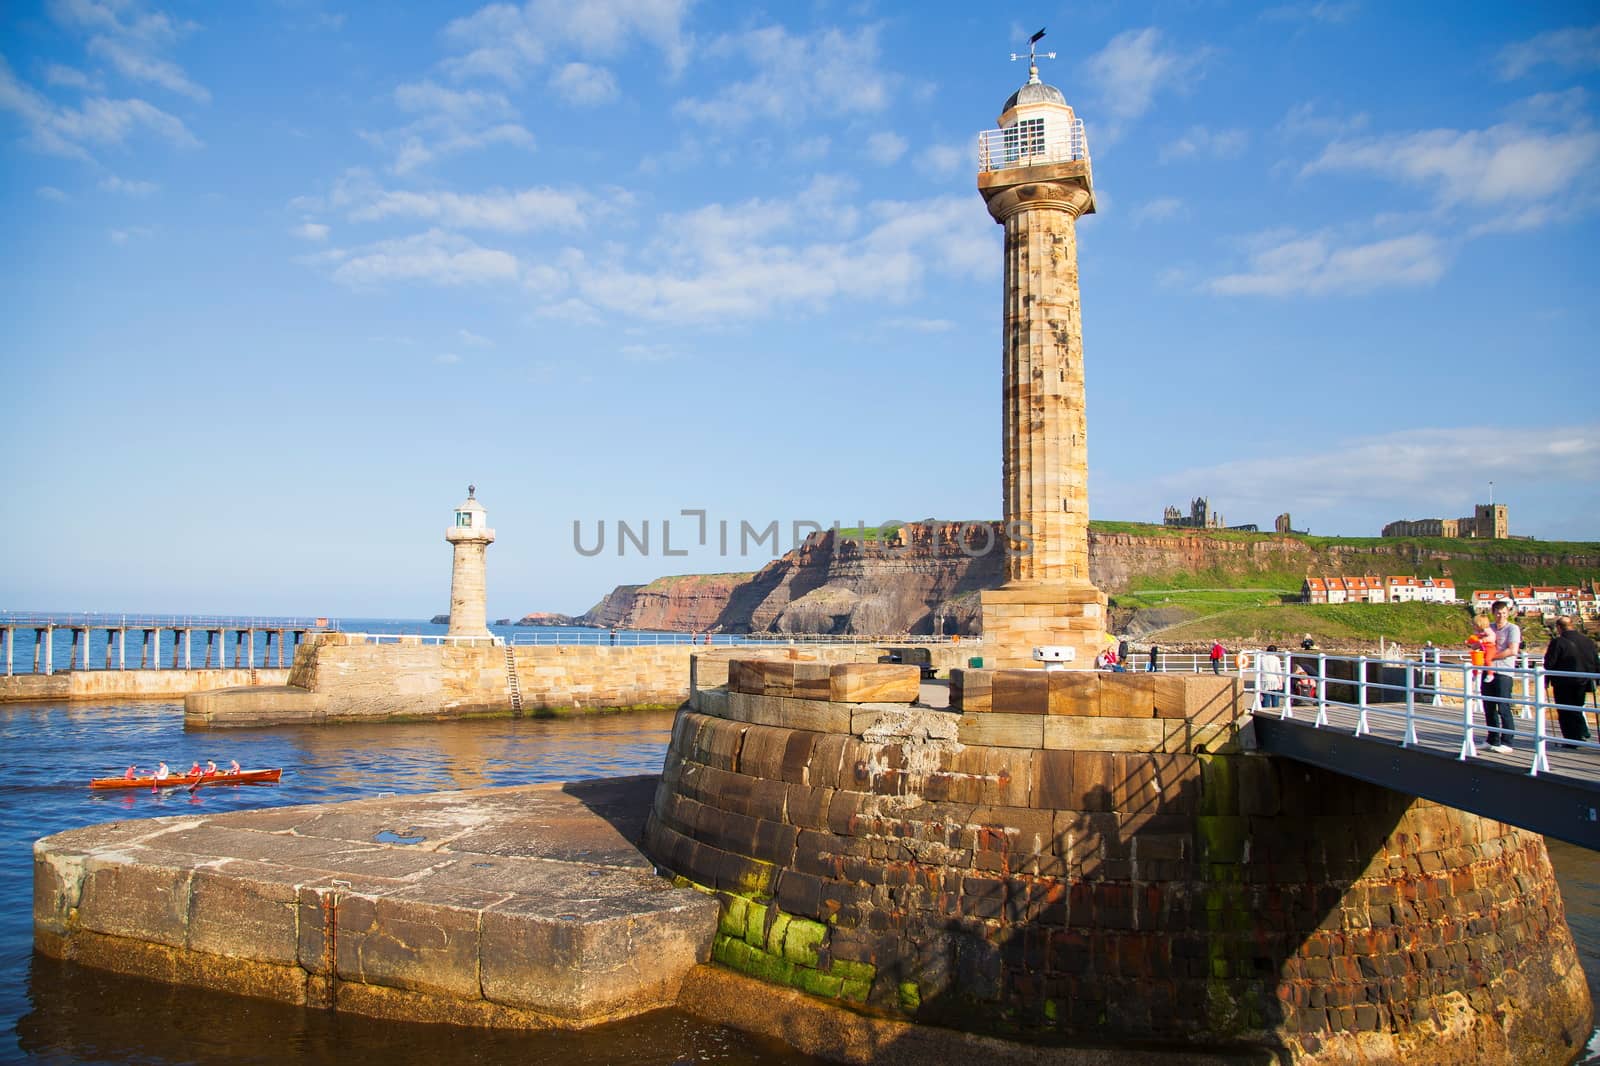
[[146, 901], [1020, 691], [971, 690], [1002, 730], [874, 683], [1126, 696], [812, 681], [583, 966], [243, 917], [1104, 734], [1074, 692], [1052, 785]]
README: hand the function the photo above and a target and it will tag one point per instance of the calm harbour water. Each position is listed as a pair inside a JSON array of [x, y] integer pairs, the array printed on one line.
[[54, 1013]]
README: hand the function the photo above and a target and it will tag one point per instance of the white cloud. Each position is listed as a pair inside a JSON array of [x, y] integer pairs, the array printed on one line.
[[504, 42], [1304, 120], [1282, 267], [68, 131], [50, 192], [1133, 68], [435, 256], [474, 339], [1413, 473], [1575, 48], [1159, 210], [311, 231], [830, 73], [920, 325], [123, 236], [763, 257], [67, 77], [945, 159], [1205, 141], [449, 121], [133, 62], [447, 358], [128, 188], [518, 211], [584, 84], [1505, 164], [885, 147], [811, 149], [130, 39]]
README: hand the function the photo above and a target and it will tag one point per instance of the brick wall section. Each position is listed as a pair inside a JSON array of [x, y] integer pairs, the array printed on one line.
[[1167, 887]]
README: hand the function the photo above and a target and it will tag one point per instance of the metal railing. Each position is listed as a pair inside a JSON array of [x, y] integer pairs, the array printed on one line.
[[96, 620], [1023, 146], [1446, 696], [635, 638]]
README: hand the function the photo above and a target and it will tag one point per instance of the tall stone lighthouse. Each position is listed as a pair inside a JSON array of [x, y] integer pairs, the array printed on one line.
[[471, 536], [1035, 178]]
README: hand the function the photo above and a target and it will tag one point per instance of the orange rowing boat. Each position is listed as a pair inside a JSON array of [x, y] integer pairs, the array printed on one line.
[[221, 777]]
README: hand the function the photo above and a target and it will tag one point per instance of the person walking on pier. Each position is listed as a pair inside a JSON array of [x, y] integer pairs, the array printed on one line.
[[1271, 677], [1497, 682], [1571, 651], [1217, 652], [1155, 654]]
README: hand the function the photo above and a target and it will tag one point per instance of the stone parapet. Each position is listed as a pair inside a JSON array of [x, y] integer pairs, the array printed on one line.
[[130, 684], [1095, 859]]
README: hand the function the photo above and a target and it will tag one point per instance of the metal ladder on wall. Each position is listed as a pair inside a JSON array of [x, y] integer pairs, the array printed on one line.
[[512, 684]]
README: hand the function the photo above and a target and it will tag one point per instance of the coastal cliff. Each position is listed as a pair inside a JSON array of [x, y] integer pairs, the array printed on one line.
[[905, 581]]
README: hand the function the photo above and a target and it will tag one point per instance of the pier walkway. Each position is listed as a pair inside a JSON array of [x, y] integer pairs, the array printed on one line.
[[1418, 728], [100, 641]]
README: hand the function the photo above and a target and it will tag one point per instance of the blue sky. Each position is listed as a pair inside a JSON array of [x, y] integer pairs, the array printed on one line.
[[282, 278]]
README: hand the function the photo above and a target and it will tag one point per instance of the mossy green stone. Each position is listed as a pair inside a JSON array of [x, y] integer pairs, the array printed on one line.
[[755, 925], [1219, 791], [818, 984], [1051, 1011], [733, 916], [910, 995], [802, 940], [771, 968], [780, 925], [853, 971], [855, 991]]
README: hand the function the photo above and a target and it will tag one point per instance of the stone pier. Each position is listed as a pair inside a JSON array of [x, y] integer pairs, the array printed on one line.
[[516, 908], [1097, 860]]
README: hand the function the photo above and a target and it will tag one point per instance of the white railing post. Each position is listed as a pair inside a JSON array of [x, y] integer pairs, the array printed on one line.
[[1322, 690], [1362, 726], [1541, 760], [1256, 705], [1410, 738], [1521, 681], [1469, 749]]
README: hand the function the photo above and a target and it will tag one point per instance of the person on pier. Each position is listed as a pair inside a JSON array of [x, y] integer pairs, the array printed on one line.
[[1572, 652], [1497, 682]]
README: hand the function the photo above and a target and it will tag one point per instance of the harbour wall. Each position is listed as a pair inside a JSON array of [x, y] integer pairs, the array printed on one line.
[[1097, 859], [129, 684], [343, 677]]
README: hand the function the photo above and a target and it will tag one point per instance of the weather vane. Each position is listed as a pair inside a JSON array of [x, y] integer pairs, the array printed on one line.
[[1033, 53], [471, 491]]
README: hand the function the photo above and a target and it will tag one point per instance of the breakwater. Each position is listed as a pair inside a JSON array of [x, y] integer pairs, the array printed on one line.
[[93, 685], [349, 677], [1096, 858]]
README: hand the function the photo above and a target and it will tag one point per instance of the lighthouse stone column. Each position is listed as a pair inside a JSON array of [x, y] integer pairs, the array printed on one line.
[[471, 537], [1036, 182]]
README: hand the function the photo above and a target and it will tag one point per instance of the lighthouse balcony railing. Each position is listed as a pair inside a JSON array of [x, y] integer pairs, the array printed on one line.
[[1021, 146]]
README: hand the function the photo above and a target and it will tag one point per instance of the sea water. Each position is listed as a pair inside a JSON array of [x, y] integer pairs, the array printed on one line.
[[58, 1013]]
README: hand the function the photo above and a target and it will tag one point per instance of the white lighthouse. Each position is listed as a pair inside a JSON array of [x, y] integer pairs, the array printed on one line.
[[471, 536]]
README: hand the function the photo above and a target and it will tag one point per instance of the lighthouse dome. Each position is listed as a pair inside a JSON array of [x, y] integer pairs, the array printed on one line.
[[1035, 92]]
